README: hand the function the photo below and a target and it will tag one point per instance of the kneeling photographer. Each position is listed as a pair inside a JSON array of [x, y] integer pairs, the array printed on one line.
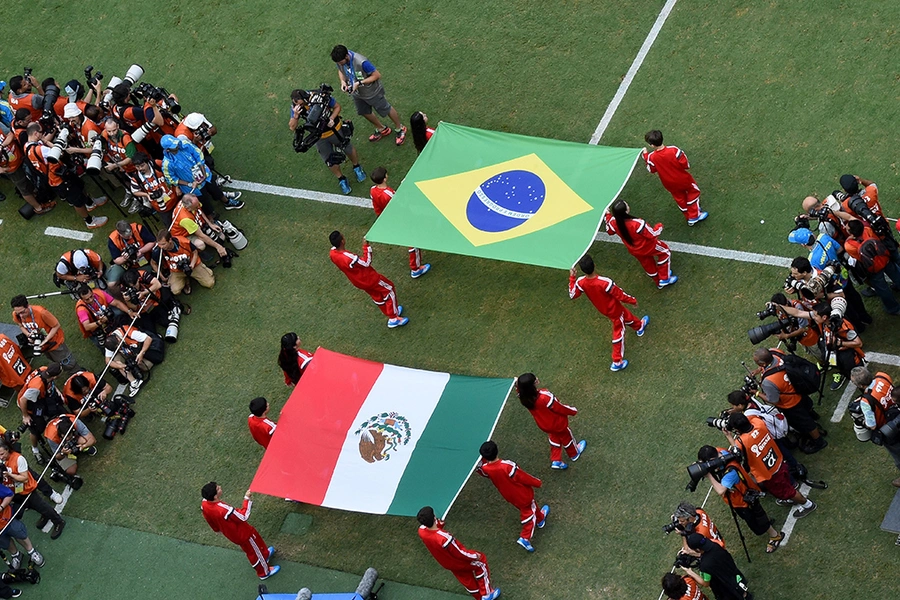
[[180, 263], [716, 570], [81, 389], [778, 389], [681, 587], [316, 121], [875, 413], [132, 360], [737, 488], [66, 451], [157, 307]]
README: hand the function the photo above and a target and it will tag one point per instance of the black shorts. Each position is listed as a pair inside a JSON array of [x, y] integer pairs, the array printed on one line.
[[72, 191], [756, 518], [800, 417]]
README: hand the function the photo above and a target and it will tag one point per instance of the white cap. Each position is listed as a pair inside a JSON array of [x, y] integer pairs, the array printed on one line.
[[71, 110], [194, 120]]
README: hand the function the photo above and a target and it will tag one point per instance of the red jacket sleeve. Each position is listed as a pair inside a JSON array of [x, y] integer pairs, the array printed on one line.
[[562, 409], [619, 294], [574, 290], [520, 476]]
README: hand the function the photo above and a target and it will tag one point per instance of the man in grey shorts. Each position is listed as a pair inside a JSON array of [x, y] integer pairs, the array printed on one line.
[[362, 81], [332, 146]]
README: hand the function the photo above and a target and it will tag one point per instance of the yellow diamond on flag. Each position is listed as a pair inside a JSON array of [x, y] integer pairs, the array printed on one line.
[[504, 201]]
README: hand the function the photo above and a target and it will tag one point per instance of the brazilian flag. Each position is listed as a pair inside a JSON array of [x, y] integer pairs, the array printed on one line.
[[505, 196]]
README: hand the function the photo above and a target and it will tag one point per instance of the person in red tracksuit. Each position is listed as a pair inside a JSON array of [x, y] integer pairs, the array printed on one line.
[[381, 194], [642, 242], [552, 417], [607, 297], [359, 271], [468, 566], [261, 427], [517, 487], [232, 523], [672, 166]]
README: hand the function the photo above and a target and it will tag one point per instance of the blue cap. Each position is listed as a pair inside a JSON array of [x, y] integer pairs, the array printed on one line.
[[802, 236], [169, 142], [2, 85]]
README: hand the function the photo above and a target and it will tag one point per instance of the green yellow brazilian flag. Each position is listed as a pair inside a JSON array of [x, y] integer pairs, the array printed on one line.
[[505, 196]]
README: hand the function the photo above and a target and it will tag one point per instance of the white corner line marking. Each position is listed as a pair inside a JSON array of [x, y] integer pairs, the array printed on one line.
[[632, 71], [791, 519], [83, 236]]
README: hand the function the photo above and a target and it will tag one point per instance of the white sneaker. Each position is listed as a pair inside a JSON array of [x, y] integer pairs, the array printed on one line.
[[37, 558], [15, 561], [56, 497], [134, 387]]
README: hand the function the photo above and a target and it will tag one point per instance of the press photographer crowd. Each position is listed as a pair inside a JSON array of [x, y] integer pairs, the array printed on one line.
[[814, 325], [130, 136]]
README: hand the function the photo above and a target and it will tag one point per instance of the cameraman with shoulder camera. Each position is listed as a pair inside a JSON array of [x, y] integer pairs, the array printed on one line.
[[44, 332], [65, 452], [716, 570], [181, 263], [333, 143], [874, 408], [740, 492], [765, 462], [777, 389]]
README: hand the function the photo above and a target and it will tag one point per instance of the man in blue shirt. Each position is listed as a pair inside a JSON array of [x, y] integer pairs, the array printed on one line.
[[184, 166]]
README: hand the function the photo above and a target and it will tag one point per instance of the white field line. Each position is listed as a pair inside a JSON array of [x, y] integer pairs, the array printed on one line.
[[791, 519], [66, 494], [277, 190], [632, 71], [83, 236], [844, 402]]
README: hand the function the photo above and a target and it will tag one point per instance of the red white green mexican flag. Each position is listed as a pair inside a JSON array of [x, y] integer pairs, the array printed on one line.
[[368, 437]]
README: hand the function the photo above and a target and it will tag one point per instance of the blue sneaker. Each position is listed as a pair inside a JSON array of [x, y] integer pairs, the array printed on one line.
[[399, 310], [618, 366], [559, 465], [546, 510], [360, 174], [271, 553], [420, 271], [493, 595], [645, 320], [397, 322], [672, 279], [580, 447], [701, 217], [272, 571], [525, 544], [345, 187]]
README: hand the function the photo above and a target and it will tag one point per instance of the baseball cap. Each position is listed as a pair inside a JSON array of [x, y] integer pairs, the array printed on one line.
[[849, 183], [169, 142], [802, 236], [695, 541], [74, 89], [193, 120], [71, 110]]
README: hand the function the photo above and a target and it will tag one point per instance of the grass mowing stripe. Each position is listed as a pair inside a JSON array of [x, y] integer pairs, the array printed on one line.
[[632, 71]]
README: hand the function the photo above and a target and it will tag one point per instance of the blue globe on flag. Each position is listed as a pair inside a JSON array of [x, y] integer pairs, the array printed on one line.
[[505, 201]]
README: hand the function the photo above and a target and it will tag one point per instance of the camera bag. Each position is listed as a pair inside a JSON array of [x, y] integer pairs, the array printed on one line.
[[802, 374]]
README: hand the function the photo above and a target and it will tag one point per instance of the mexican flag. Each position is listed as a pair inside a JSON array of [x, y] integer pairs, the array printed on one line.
[[505, 196], [368, 437]]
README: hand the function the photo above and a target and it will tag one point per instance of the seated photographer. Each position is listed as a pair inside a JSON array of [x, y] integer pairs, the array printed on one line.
[[43, 332], [765, 462], [681, 587], [181, 263], [842, 340], [150, 186], [875, 407], [826, 287], [39, 401], [18, 477], [870, 259], [741, 494], [99, 313], [80, 441], [130, 352], [130, 245], [333, 144], [716, 570], [80, 266], [688, 519], [189, 221], [293, 359], [13, 530], [145, 294], [184, 167], [81, 388], [776, 389]]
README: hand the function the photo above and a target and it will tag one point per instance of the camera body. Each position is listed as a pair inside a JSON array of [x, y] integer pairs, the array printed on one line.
[[92, 78], [184, 265], [699, 469], [687, 561]]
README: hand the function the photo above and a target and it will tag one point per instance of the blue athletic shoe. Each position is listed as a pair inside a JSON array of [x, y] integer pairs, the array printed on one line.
[[645, 320], [420, 271], [397, 322], [672, 279], [493, 595], [701, 217], [399, 310], [546, 510], [272, 571], [559, 465], [580, 447], [618, 366], [271, 553], [345, 187], [360, 174], [525, 544]]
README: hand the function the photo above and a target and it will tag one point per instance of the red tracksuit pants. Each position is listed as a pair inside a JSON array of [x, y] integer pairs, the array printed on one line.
[[658, 264], [477, 581], [257, 553], [415, 259], [618, 332], [530, 517], [385, 297], [688, 201], [560, 440]]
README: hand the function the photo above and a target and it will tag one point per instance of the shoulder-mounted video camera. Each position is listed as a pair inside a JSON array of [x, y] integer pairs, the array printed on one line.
[[316, 116]]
